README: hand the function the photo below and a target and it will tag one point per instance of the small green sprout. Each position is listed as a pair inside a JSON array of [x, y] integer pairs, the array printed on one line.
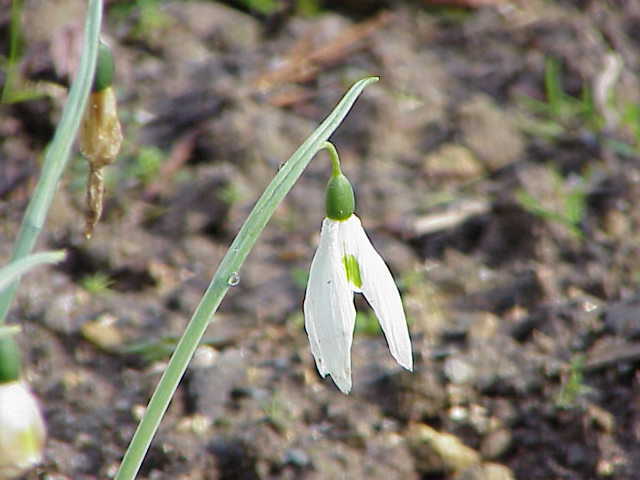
[[573, 385], [98, 283], [16, 88], [146, 164], [151, 17], [264, 7], [572, 201], [229, 194], [631, 118], [561, 111], [307, 8], [276, 413]]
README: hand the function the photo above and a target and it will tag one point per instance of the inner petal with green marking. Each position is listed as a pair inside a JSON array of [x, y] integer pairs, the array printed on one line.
[[353, 270], [29, 443]]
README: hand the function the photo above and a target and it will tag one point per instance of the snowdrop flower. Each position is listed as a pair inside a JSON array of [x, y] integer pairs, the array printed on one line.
[[22, 430], [344, 263]]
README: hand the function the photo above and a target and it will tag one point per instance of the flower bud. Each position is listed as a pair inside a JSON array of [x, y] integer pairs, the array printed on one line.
[[104, 68], [100, 134], [340, 201]]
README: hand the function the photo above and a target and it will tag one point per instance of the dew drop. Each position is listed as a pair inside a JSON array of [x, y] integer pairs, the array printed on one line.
[[234, 279]]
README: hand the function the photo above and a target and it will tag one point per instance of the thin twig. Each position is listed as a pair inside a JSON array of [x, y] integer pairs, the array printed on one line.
[[302, 65]]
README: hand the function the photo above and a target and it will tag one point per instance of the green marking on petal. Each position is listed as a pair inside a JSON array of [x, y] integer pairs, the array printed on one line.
[[29, 443], [353, 270]]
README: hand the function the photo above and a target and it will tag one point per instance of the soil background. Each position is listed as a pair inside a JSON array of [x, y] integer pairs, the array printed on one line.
[[497, 170]]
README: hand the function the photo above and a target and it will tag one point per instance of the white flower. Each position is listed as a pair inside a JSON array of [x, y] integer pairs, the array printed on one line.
[[22, 430], [344, 263]]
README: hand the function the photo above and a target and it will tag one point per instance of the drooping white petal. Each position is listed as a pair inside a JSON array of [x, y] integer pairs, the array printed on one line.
[[379, 289], [329, 314]]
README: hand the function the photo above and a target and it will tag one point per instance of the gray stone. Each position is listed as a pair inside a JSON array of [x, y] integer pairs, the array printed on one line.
[[458, 370], [210, 387], [490, 133], [487, 471], [496, 443], [624, 319], [438, 452], [452, 161], [297, 457]]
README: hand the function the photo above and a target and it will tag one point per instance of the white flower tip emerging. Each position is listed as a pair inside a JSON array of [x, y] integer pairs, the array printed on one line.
[[344, 263], [22, 430]]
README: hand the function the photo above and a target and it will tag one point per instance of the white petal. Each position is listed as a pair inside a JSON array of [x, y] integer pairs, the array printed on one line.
[[380, 290], [329, 314], [22, 430]]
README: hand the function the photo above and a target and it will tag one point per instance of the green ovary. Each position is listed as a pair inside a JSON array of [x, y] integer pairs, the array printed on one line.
[[352, 269]]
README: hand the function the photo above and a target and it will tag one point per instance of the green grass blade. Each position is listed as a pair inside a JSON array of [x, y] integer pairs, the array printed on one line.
[[14, 270], [553, 87], [58, 151], [15, 43], [225, 277]]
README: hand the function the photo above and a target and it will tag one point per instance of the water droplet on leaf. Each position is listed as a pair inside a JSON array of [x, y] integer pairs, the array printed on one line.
[[234, 279]]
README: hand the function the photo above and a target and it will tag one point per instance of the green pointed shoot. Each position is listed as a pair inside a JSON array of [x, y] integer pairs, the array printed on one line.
[[17, 268], [227, 276], [58, 151]]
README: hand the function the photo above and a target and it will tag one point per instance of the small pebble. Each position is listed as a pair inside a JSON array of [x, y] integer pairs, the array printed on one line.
[[437, 452], [496, 443], [103, 332], [297, 457], [458, 370], [486, 471]]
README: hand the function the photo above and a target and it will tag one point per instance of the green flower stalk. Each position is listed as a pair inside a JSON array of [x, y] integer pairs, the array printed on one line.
[[57, 154]]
